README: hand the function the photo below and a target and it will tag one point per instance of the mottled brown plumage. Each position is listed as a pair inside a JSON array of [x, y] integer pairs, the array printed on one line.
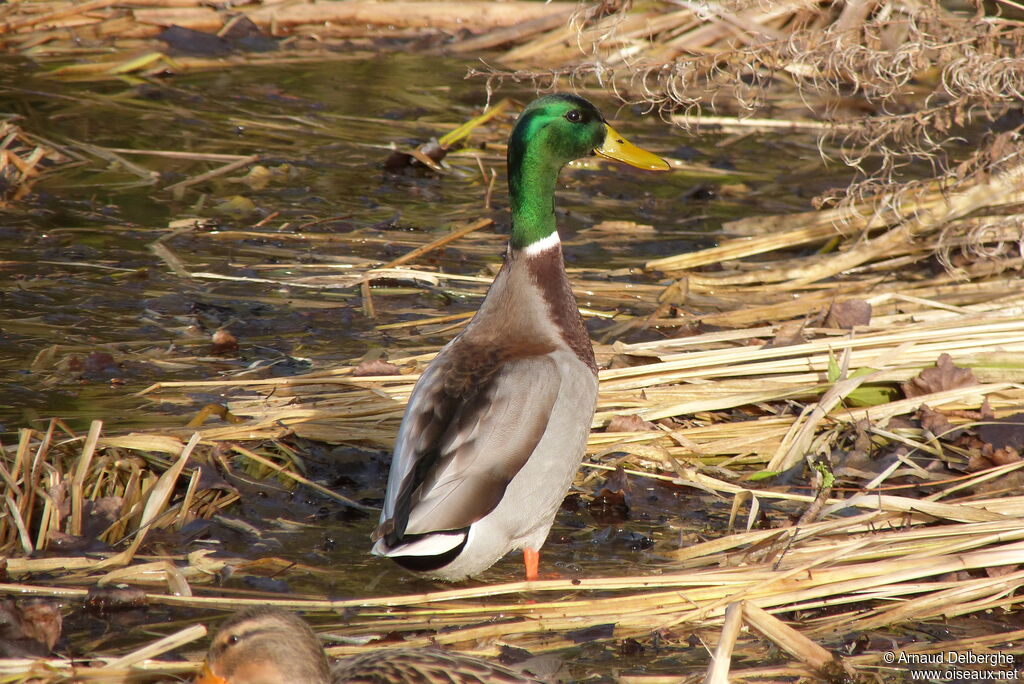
[[271, 646]]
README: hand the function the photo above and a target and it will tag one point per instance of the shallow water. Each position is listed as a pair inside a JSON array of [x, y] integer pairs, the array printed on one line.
[[90, 315], [78, 270]]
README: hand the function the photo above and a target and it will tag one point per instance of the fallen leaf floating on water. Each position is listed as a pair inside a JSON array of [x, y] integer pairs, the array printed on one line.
[[243, 34], [431, 153], [261, 177], [95, 366], [191, 42], [631, 648], [611, 501], [944, 376]]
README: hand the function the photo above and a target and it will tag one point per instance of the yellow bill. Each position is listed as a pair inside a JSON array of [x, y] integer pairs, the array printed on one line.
[[618, 148]]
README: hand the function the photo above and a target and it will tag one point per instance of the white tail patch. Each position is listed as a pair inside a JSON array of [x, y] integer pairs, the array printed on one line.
[[428, 545], [542, 245]]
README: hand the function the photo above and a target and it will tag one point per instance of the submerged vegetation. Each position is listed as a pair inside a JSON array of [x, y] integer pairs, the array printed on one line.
[[835, 383]]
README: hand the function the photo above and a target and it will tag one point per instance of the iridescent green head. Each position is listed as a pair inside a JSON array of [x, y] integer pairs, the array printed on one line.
[[552, 131]]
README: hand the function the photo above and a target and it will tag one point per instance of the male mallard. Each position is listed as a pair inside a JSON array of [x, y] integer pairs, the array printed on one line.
[[497, 424], [270, 646]]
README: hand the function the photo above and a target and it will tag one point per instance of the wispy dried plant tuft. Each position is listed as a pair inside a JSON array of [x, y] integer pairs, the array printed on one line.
[[896, 83]]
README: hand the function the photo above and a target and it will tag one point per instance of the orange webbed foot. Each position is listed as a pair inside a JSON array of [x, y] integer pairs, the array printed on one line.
[[531, 559]]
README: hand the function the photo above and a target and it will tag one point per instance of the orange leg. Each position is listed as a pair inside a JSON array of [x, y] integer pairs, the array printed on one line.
[[531, 559]]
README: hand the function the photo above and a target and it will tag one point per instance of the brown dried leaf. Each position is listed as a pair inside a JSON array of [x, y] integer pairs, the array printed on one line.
[[376, 367], [610, 504], [944, 376], [977, 462], [986, 412], [41, 620], [988, 456], [1004, 456], [100, 514], [787, 334], [848, 314], [938, 424], [28, 627], [1001, 570], [630, 423]]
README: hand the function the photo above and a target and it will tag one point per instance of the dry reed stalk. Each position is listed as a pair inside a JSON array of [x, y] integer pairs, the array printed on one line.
[[847, 566], [787, 638], [562, 42], [214, 173], [511, 34], [810, 55], [633, 611], [718, 670], [147, 18], [479, 15], [875, 569], [64, 9], [81, 473], [923, 214], [168, 643], [439, 242], [336, 406]]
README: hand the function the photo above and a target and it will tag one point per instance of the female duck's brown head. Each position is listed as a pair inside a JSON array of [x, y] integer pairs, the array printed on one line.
[[270, 646], [265, 646]]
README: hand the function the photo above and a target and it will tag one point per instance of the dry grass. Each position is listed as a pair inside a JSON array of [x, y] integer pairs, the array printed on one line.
[[901, 559], [113, 39], [885, 85], [746, 371]]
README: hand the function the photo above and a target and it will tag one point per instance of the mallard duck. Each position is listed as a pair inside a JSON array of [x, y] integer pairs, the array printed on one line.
[[497, 424], [267, 645]]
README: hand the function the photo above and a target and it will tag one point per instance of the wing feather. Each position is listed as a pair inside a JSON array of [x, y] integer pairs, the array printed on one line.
[[470, 427]]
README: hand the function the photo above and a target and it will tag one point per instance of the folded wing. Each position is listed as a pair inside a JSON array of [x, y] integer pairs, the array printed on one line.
[[467, 432]]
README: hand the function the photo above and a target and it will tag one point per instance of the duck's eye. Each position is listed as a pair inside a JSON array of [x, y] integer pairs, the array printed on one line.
[[232, 640], [574, 115]]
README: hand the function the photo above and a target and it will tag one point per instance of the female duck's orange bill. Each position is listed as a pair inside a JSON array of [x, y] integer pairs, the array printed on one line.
[[206, 676], [618, 148]]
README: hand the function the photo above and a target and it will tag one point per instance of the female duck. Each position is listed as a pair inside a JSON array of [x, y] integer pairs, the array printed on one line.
[[270, 646], [497, 424]]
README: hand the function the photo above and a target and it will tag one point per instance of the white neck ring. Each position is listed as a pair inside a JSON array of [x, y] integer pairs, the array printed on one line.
[[542, 245]]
